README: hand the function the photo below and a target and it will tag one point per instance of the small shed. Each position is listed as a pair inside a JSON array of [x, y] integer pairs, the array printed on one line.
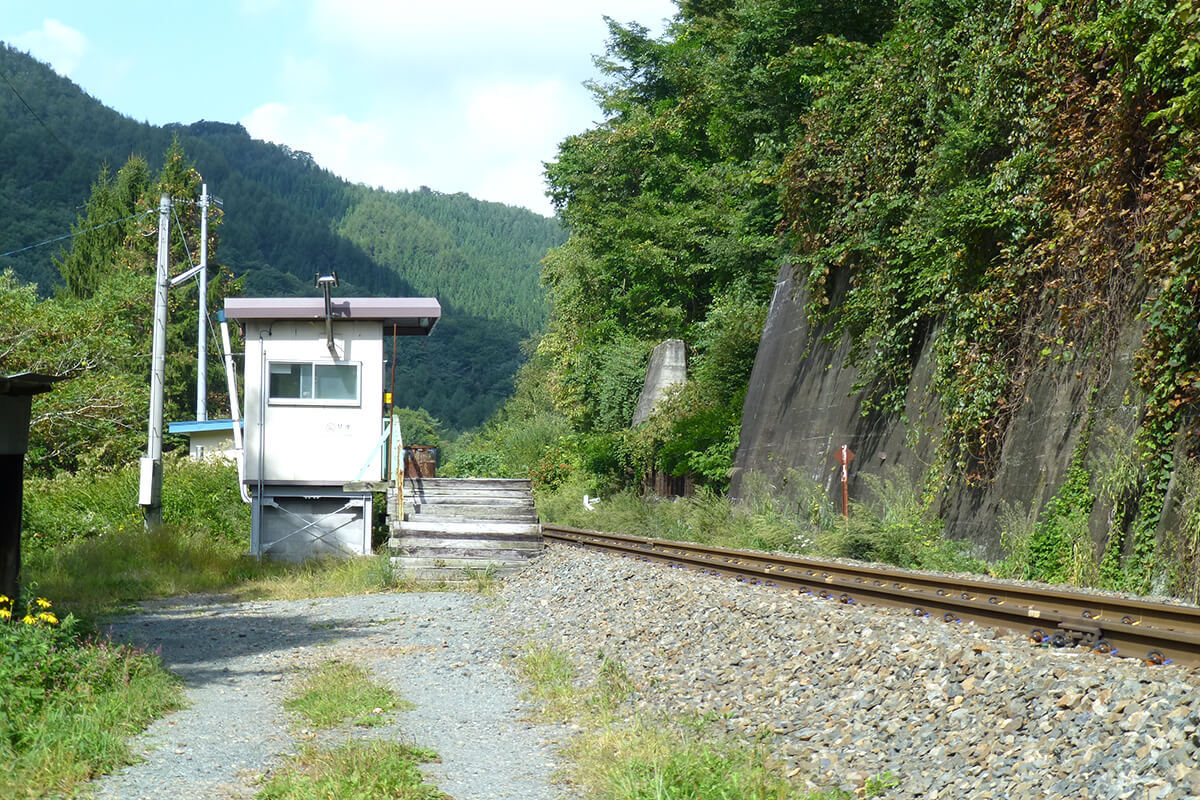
[[208, 438], [314, 385]]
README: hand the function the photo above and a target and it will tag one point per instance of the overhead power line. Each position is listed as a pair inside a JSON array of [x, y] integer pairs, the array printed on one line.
[[77, 233], [29, 108]]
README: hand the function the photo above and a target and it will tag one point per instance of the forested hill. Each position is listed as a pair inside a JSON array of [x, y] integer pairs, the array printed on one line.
[[284, 219]]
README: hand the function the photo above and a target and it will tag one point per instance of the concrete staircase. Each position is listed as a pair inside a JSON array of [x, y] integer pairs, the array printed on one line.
[[452, 527]]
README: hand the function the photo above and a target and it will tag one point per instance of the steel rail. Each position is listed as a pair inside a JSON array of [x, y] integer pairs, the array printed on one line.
[[1154, 632]]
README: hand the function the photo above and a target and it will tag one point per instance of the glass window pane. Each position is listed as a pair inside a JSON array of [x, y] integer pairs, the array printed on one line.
[[291, 381], [337, 381]]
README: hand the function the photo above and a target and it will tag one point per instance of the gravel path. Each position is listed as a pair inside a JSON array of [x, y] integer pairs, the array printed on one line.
[[240, 660]]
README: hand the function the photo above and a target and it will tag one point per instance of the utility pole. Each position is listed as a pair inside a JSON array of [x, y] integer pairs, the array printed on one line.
[[202, 327], [150, 483]]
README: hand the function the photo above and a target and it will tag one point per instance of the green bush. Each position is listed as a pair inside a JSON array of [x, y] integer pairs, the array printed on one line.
[[197, 496]]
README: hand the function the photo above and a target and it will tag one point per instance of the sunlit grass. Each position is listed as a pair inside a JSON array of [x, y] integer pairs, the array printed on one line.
[[339, 692], [357, 770], [104, 574]]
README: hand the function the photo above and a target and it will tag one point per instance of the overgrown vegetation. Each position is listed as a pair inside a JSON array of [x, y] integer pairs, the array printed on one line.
[[620, 754], [1011, 187], [339, 693], [87, 547], [892, 525], [70, 701]]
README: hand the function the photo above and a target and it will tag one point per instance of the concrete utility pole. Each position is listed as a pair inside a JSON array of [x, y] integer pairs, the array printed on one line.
[[150, 483], [202, 326]]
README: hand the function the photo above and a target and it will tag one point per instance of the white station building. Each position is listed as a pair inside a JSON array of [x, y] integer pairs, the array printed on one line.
[[314, 406]]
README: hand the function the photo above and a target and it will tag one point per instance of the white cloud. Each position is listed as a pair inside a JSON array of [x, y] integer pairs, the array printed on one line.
[[61, 46], [514, 115], [304, 77], [357, 151], [418, 29], [515, 183], [254, 8], [459, 95]]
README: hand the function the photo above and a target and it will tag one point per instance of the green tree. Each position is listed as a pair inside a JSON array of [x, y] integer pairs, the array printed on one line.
[[672, 202]]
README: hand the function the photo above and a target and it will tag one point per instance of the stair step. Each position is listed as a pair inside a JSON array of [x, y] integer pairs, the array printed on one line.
[[455, 574], [454, 526], [450, 554], [518, 515], [455, 562], [464, 543], [473, 526], [467, 483], [515, 501], [458, 495]]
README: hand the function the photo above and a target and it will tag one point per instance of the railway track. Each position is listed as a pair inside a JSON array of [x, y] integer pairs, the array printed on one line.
[[1157, 633]]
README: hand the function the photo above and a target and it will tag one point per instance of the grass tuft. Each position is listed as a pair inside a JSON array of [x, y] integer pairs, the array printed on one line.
[[894, 524], [357, 770], [338, 692]]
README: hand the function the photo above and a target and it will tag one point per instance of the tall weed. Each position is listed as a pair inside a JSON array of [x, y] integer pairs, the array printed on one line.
[[895, 525]]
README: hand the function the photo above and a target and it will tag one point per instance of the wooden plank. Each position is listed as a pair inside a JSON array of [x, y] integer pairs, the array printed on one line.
[[464, 545], [471, 500], [470, 527], [442, 554], [457, 513], [409, 562], [447, 484]]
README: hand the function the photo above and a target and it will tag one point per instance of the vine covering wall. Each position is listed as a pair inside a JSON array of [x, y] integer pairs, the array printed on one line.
[[1015, 184]]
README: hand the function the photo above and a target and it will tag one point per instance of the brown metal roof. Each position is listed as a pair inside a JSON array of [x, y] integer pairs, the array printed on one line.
[[405, 316]]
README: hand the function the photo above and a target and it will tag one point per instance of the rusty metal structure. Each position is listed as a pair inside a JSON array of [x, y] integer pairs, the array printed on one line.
[[1157, 633]]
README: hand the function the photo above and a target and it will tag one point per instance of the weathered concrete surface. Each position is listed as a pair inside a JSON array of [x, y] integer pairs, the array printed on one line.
[[668, 367], [800, 408]]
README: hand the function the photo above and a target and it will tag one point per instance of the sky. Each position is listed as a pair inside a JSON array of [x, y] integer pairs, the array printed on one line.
[[456, 95]]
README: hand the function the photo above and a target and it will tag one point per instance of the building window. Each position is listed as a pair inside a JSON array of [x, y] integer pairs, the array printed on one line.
[[306, 382]]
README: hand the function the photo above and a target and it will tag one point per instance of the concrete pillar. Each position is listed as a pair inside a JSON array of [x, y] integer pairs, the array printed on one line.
[[667, 368]]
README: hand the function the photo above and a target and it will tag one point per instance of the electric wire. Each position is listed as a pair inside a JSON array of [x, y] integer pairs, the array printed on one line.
[[77, 233], [29, 108]]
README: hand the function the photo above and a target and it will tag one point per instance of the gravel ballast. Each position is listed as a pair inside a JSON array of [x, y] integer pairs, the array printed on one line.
[[844, 693], [239, 661]]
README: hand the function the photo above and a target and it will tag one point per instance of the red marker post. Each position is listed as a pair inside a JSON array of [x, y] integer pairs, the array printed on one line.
[[844, 457]]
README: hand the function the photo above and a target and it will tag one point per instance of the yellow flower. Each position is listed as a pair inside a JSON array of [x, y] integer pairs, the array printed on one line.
[[46, 616], [28, 620], [5, 613], [42, 602], [4, 598]]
